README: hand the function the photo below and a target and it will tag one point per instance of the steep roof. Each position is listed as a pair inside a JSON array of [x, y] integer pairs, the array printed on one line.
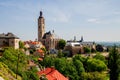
[[52, 74], [8, 36], [47, 33], [50, 33]]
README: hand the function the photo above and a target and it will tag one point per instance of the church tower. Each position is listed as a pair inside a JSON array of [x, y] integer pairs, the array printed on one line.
[[41, 26]]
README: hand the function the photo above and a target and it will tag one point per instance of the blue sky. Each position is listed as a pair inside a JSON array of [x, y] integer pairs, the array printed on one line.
[[95, 20]]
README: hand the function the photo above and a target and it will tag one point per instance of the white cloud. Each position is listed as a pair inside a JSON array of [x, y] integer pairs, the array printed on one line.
[[94, 20]]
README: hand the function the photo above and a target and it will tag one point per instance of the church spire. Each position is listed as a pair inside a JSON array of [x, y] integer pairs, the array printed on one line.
[[41, 13]]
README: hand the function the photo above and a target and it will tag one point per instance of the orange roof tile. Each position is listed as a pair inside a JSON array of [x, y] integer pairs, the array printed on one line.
[[52, 74], [40, 51], [40, 59]]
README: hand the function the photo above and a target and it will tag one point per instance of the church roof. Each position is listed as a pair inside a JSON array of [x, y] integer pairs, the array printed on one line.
[[8, 35], [47, 33]]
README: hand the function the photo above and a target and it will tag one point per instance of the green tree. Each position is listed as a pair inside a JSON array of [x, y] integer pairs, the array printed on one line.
[[100, 57], [93, 76], [61, 44], [114, 64], [21, 44], [48, 61], [60, 54], [96, 65], [79, 66], [99, 48], [11, 59], [86, 50]]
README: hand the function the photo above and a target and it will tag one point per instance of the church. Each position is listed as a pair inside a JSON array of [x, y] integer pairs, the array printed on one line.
[[49, 39]]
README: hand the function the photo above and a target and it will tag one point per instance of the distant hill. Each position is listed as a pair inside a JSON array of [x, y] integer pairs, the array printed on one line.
[[109, 43], [6, 73]]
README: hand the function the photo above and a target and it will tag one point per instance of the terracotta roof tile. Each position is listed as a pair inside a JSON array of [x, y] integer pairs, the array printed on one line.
[[52, 74]]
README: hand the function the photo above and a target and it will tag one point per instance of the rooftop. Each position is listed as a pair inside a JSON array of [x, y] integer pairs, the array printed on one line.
[[52, 74], [8, 36]]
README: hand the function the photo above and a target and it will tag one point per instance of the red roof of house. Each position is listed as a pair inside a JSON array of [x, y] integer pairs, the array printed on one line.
[[40, 51], [52, 74], [40, 59]]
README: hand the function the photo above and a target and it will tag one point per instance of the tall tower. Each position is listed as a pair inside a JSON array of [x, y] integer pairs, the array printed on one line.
[[41, 26]]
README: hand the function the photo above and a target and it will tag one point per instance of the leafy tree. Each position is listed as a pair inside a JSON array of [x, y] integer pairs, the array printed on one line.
[[48, 61], [12, 57], [70, 71], [79, 66], [86, 50], [21, 44], [99, 48], [93, 76], [100, 57], [114, 64], [60, 64], [60, 54], [61, 44], [96, 65]]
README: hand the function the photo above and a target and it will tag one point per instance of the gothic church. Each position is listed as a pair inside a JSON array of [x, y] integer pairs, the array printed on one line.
[[49, 39]]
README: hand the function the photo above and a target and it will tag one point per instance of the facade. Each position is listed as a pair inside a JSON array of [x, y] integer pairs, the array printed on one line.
[[9, 40], [49, 39], [76, 47]]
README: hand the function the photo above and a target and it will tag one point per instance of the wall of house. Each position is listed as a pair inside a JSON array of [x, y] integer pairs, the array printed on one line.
[[4, 42], [14, 43]]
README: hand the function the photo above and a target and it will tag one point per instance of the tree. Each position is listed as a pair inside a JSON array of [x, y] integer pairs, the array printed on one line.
[[93, 76], [79, 66], [86, 50], [21, 44], [96, 65], [99, 48], [100, 57], [60, 54], [11, 59], [114, 64], [61, 44]]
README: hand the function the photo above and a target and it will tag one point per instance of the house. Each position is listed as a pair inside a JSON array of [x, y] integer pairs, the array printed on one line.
[[39, 53], [33, 44], [9, 40], [51, 74], [76, 47]]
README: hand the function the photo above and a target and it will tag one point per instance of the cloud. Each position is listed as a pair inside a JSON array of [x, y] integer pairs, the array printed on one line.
[[94, 20]]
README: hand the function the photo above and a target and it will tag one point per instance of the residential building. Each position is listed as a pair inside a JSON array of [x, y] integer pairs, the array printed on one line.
[[9, 40], [76, 47], [51, 74]]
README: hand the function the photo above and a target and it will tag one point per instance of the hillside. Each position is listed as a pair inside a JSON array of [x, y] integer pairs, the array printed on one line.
[[6, 73]]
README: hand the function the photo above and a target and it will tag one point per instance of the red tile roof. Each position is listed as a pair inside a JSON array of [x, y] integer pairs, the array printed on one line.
[[40, 59], [52, 74]]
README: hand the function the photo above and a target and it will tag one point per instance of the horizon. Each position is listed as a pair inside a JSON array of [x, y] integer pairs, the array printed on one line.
[[97, 21]]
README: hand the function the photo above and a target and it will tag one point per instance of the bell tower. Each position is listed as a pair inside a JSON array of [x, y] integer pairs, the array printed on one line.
[[41, 26]]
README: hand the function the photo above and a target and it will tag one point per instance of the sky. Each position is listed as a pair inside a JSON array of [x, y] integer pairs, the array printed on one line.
[[95, 20]]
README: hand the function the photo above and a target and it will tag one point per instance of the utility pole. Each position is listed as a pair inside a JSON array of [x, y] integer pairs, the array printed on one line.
[[17, 65]]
